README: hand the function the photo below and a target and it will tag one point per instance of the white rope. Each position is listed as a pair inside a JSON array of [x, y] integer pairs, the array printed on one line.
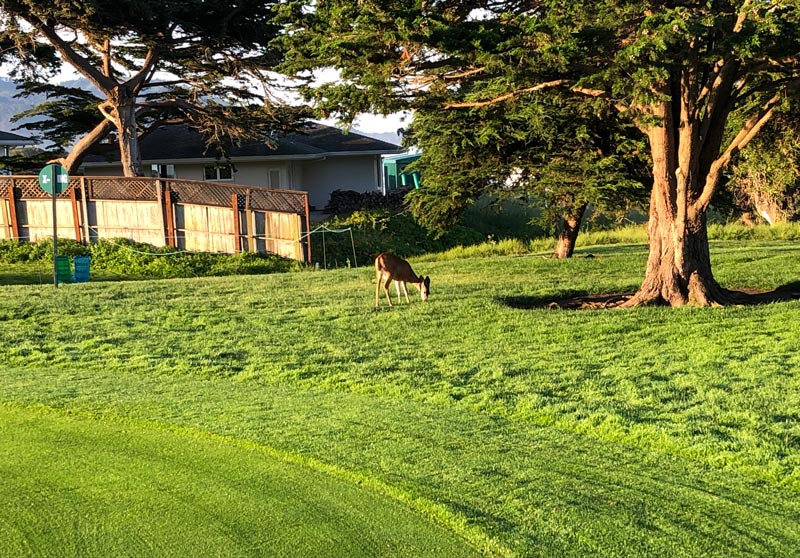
[[323, 229]]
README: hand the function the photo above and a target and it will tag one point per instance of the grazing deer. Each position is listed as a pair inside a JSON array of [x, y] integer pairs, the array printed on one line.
[[391, 268]]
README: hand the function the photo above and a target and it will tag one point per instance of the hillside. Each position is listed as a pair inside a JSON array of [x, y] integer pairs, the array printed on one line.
[[9, 106]]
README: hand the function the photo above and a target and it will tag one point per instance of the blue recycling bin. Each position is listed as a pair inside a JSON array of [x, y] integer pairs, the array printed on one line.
[[81, 264]]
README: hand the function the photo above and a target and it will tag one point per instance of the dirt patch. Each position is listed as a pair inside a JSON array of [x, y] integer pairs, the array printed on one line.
[[570, 302], [583, 301]]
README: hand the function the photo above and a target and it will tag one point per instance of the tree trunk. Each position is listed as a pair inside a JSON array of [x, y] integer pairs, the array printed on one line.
[[679, 264], [678, 269], [130, 156], [120, 109], [74, 158], [569, 233]]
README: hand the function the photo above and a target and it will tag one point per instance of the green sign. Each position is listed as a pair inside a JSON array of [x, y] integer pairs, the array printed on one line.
[[53, 177]]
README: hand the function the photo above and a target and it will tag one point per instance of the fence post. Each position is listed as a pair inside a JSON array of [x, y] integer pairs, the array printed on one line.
[[12, 212], [75, 213], [308, 229], [85, 205], [162, 211], [251, 224], [170, 218], [237, 226]]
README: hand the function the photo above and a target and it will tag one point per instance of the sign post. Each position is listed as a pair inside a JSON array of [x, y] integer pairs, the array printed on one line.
[[54, 179]]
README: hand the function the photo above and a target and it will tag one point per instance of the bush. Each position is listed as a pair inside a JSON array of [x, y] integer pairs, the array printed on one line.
[[376, 231], [345, 202], [13, 251], [129, 259]]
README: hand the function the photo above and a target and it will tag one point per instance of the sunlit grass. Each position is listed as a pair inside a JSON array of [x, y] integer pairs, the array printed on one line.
[[642, 432]]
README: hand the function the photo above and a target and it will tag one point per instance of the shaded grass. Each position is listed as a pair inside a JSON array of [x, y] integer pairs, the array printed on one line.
[[644, 432]]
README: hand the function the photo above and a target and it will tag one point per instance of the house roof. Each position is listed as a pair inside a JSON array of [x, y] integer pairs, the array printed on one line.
[[7, 138], [181, 142]]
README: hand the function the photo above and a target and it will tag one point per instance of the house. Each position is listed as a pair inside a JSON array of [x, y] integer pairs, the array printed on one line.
[[9, 141], [318, 160], [395, 176]]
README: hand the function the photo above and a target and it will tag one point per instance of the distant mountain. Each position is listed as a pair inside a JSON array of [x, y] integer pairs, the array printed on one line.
[[9, 106]]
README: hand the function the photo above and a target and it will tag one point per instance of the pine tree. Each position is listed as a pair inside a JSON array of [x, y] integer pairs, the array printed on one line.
[[149, 62]]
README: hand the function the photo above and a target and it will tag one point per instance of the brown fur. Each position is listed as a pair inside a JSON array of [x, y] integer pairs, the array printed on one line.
[[388, 268]]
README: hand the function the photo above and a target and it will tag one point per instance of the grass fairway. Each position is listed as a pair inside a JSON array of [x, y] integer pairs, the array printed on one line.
[[649, 432], [72, 486]]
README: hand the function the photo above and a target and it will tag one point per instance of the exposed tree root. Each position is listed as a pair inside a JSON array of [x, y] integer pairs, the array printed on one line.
[[722, 298]]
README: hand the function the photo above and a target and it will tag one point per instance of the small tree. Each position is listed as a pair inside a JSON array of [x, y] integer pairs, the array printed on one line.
[[560, 155], [150, 62]]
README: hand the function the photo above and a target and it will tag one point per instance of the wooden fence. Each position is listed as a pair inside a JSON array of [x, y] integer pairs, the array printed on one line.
[[186, 214]]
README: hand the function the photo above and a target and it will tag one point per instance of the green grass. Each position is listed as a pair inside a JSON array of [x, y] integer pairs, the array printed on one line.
[[636, 433], [75, 486]]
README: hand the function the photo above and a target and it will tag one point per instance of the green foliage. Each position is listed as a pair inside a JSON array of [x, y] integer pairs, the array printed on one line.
[[550, 100], [376, 231], [127, 259], [211, 52], [766, 176]]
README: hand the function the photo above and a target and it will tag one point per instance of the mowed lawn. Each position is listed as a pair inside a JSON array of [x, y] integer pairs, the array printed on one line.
[[284, 415]]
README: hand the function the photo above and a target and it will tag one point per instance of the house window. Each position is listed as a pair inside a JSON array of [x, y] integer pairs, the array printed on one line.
[[274, 178], [218, 172], [162, 171]]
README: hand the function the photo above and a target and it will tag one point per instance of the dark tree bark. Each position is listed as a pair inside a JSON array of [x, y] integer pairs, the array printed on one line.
[[568, 235]]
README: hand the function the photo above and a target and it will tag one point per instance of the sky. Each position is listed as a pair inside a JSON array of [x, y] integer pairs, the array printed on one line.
[[368, 123]]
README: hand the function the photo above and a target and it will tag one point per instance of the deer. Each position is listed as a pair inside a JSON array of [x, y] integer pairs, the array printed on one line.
[[391, 268]]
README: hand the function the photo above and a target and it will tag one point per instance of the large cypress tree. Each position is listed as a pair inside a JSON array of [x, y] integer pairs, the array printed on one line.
[[149, 62], [678, 71]]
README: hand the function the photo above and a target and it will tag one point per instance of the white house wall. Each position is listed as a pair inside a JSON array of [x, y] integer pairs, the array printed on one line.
[[318, 177]]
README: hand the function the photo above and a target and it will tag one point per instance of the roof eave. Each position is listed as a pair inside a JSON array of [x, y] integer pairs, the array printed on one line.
[[243, 159]]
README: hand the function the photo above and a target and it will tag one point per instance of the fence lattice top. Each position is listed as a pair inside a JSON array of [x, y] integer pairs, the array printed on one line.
[[147, 189]]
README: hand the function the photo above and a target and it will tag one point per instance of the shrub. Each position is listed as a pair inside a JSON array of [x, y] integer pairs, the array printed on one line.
[[129, 259], [376, 231], [13, 251], [345, 202]]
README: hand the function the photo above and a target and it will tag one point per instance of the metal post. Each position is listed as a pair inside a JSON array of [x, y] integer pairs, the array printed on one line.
[[53, 181]]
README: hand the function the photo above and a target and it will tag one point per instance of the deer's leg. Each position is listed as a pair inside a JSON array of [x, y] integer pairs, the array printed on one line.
[[405, 292], [386, 289]]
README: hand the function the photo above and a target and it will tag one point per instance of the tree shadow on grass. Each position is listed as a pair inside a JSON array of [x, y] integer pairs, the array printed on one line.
[[579, 300]]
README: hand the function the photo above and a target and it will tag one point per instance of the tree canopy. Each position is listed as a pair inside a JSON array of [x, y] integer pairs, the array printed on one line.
[[149, 62], [559, 155], [677, 71]]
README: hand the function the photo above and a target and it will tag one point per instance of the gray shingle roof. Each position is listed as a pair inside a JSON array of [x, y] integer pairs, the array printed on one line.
[[7, 138], [180, 142]]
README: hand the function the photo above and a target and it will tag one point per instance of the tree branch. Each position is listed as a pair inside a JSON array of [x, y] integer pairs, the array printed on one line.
[[511, 95], [745, 135], [104, 83], [146, 71], [72, 161]]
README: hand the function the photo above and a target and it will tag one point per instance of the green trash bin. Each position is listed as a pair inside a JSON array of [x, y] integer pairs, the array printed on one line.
[[63, 269]]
